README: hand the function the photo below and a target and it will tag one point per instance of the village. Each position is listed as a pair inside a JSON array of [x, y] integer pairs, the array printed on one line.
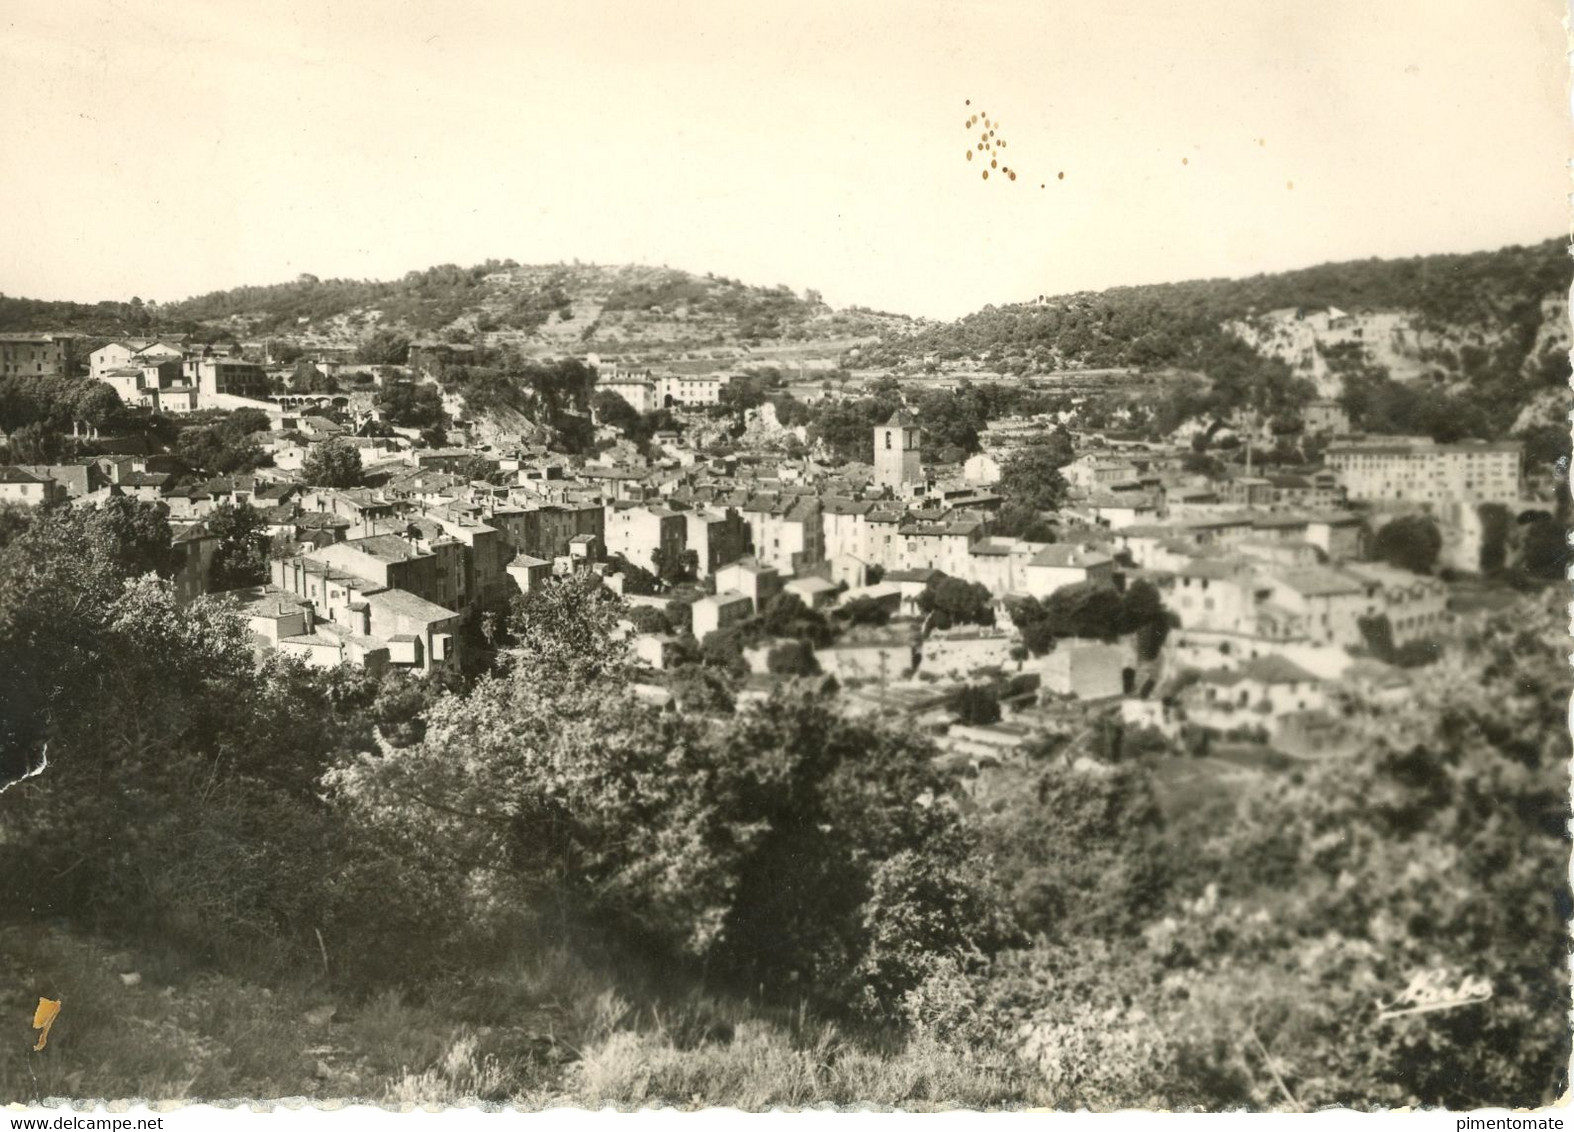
[[1206, 605], [921, 557]]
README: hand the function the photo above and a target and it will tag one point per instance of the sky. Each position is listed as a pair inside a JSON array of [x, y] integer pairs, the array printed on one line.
[[164, 149]]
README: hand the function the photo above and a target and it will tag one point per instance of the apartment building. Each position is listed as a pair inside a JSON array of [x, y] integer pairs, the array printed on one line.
[[1418, 470]]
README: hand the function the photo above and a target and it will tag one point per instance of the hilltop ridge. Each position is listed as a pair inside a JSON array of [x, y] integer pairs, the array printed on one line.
[[1490, 325], [641, 312]]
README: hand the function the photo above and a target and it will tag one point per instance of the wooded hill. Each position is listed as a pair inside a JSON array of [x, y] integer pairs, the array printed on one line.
[[562, 308], [1168, 324]]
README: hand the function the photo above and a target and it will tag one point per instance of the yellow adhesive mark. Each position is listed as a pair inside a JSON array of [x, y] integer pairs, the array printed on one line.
[[43, 1018]]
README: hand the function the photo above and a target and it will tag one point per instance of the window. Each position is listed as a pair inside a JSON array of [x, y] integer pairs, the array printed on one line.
[[888, 441]]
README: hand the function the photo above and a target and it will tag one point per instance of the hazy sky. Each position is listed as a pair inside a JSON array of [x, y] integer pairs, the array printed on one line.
[[172, 147]]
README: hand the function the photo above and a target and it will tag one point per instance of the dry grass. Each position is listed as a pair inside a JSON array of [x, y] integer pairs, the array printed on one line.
[[546, 1029], [764, 1067]]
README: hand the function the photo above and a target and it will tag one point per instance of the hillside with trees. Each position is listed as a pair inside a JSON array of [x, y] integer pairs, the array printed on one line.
[[1159, 324], [562, 308], [1487, 308]]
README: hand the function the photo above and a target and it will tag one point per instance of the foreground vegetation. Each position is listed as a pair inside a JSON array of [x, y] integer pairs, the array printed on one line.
[[535, 889]]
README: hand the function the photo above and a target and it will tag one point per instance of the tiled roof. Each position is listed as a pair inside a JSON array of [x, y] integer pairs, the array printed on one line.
[[1067, 555], [1316, 581], [406, 604], [388, 548]]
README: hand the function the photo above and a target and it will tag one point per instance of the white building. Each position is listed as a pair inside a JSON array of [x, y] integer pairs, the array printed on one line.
[[1418, 470]]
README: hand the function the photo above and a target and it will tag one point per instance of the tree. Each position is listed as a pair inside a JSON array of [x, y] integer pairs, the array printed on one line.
[[1495, 524], [14, 519], [701, 690], [952, 419], [1377, 633], [479, 468], [402, 704], [409, 404], [384, 348], [837, 827], [332, 463], [1032, 621], [741, 393], [1016, 520], [59, 578], [1410, 542], [614, 411], [863, 611], [1201, 464], [1086, 609], [1544, 550], [680, 616], [648, 619], [305, 377], [1545, 445], [1031, 477], [1082, 855], [241, 557], [182, 781], [37, 443], [975, 704], [792, 658], [636, 579], [949, 601], [97, 403], [785, 615], [225, 446], [722, 651], [1142, 612], [675, 567]]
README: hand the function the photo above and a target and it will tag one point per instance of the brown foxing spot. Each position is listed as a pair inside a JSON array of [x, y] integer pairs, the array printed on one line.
[[1289, 184], [991, 162], [970, 155], [1060, 177], [986, 174], [1012, 175], [1184, 161]]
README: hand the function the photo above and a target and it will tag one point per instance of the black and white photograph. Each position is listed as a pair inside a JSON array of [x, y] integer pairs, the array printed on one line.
[[896, 555]]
